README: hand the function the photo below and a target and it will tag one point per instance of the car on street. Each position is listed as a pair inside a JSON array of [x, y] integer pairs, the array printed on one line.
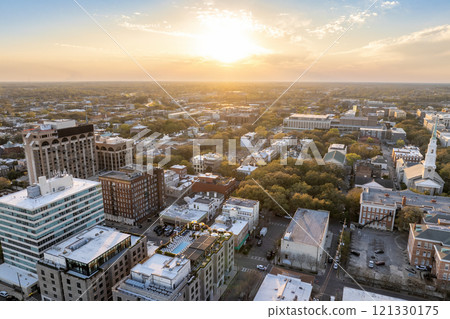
[[379, 251], [421, 267], [259, 243], [3, 294], [371, 263], [335, 266], [411, 270], [380, 263], [261, 267], [354, 252]]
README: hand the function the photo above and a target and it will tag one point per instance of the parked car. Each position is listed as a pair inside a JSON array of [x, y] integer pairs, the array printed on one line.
[[380, 263], [335, 266], [411, 270], [259, 243], [354, 252], [3, 294], [261, 267], [421, 267], [330, 260], [371, 263], [379, 251]]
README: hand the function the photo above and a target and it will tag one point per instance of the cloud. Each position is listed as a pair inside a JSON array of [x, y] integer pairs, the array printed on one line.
[[389, 4], [341, 24], [163, 28]]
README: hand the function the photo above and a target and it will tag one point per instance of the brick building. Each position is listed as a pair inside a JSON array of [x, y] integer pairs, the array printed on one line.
[[214, 183]]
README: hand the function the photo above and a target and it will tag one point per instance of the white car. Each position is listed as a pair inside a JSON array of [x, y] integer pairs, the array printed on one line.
[[261, 267], [3, 294], [370, 263], [335, 266]]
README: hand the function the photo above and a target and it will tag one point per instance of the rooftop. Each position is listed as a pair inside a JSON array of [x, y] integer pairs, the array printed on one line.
[[283, 288], [88, 245], [11, 275], [434, 233], [123, 176], [20, 199], [161, 265], [307, 226], [351, 294], [236, 201], [394, 198], [311, 116]]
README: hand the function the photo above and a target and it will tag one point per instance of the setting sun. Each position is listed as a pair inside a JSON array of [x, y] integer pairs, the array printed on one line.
[[227, 39]]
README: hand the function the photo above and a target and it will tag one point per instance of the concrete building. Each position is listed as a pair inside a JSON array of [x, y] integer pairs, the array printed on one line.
[[194, 265], [87, 265], [214, 183], [202, 207], [242, 209], [379, 207], [131, 196], [239, 229], [307, 122], [45, 214], [113, 152], [206, 162], [303, 243], [283, 288], [58, 147]]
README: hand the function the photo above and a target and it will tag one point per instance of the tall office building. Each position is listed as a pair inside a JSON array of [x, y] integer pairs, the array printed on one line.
[[130, 196], [58, 147], [113, 152], [44, 214]]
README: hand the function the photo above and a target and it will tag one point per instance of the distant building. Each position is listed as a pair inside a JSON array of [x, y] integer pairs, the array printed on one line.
[[339, 148], [87, 265], [58, 147], [214, 183], [63, 206], [283, 288], [307, 122], [303, 243], [131, 196], [409, 153], [113, 152], [206, 162], [246, 169], [193, 266]]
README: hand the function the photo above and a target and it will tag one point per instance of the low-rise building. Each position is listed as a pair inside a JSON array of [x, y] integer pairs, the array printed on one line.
[[194, 265], [86, 266], [206, 162], [408, 153], [283, 288], [239, 229], [214, 183], [242, 209], [307, 122], [303, 243]]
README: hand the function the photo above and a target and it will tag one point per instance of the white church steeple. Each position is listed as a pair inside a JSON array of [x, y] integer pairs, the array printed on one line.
[[429, 165]]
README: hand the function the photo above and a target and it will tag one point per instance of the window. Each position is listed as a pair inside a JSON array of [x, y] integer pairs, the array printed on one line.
[[417, 252], [52, 276], [68, 281], [444, 275], [78, 285], [42, 272], [419, 244]]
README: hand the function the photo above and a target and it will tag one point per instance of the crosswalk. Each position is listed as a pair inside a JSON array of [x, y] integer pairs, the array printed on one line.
[[277, 224], [245, 269], [258, 258]]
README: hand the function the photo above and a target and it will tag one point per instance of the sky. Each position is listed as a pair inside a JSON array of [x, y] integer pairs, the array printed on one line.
[[229, 40]]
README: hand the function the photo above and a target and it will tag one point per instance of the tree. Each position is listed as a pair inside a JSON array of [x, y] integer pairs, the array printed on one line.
[[4, 183], [408, 215], [352, 204], [352, 158], [400, 143], [261, 131]]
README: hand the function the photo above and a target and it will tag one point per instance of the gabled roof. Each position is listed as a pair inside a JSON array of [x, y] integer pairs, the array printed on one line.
[[335, 156]]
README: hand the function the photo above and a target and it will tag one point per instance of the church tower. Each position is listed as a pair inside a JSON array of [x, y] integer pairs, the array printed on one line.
[[429, 165]]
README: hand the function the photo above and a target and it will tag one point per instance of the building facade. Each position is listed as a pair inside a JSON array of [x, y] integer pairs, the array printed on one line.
[[307, 122], [45, 214], [87, 266], [131, 196], [113, 152], [58, 147], [242, 209]]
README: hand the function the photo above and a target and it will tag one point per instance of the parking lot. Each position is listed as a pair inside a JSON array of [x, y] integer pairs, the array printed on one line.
[[393, 244]]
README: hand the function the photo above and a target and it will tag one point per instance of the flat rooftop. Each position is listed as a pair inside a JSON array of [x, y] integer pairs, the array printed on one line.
[[183, 213], [89, 244], [394, 198], [311, 116], [10, 274], [307, 226], [241, 202], [283, 288], [236, 227], [351, 294], [161, 265], [123, 176], [21, 200]]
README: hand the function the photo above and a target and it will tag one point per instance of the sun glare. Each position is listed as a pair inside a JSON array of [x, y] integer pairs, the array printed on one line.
[[228, 40]]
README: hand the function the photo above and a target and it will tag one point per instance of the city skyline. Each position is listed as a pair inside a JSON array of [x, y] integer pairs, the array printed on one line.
[[378, 41]]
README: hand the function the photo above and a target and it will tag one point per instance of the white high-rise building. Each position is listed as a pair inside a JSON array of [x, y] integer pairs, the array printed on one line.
[[44, 214]]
